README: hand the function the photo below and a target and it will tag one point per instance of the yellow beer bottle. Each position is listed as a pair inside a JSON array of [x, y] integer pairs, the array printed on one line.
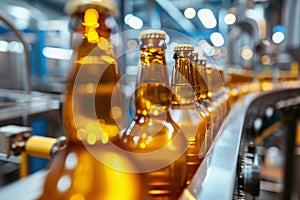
[[77, 172], [153, 135], [184, 111], [200, 86]]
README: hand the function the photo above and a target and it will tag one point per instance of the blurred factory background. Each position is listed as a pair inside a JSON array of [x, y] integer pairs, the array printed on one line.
[[236, 34], [255, 35]]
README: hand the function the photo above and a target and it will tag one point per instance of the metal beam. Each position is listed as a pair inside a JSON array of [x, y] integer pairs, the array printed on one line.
[[177, 15]]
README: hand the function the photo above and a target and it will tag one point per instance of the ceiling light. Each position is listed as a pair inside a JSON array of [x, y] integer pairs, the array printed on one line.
[[127, 17], [230, 18], [189, 13], [135, 22], [278, 37], [246, 53], [207, 18], [217, 39]]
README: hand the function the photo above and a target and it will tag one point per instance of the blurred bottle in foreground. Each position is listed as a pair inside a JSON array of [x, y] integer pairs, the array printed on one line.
[[90, 121]]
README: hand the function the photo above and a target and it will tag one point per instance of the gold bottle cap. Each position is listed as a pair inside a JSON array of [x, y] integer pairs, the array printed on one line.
[[195, 53], [153, 33], [186, 47], [202, 58], [202, 61]]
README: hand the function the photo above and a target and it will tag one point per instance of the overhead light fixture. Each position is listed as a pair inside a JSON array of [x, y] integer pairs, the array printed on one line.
[[3, 46], [278, 37], [133, 21], [230, 18], [278, 34], [207, 18], [217, 39], [127, 17], [15, 47], [189, 13], [57, 53], [246, 53]]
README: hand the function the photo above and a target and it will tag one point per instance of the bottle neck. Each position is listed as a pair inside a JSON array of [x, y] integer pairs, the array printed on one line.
[[81, 29], [183, 78], [153, 67], [153, 95], [95, 72], [201, 81], [93, 53], [152, 56]]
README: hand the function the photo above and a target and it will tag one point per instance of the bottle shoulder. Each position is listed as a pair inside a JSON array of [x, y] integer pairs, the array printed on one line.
[[145, 135]]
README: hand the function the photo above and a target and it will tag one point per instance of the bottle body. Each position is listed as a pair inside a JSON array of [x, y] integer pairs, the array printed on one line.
[[76, 174], [89, 97], [205, 102], [90, 122], [184, 111], [202, 92], [215, 101], [204, 112], [165, 174], [152, 130], [194, 127]]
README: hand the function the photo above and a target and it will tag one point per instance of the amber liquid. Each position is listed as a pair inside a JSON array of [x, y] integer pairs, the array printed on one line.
[[90, 94], [200, 86], [151, 130], [201, 92], [209, 130], [184, 111], [201, 82], [214, 82], [77, 174], [194, 127], [90, 122]]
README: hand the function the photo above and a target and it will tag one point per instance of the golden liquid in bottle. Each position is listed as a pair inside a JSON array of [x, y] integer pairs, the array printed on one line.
[[185, 113], [213, 81], [77, 172], [208, 136], [202, 79], [193, 125], [220, 100], [93, 83], [153, 130], [200, 86]]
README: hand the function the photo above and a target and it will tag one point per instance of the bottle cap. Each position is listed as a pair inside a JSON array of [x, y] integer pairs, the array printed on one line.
[[103, 6], [202, 58], [186, 47], [152, 33], [195, 53]]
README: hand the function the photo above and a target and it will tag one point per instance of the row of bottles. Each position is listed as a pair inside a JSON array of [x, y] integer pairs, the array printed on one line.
[[157, 154]]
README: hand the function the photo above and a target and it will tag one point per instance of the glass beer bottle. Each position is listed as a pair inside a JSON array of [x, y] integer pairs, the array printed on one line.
[[184, 111], [76, 172], [152, 133], [198, 84]]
